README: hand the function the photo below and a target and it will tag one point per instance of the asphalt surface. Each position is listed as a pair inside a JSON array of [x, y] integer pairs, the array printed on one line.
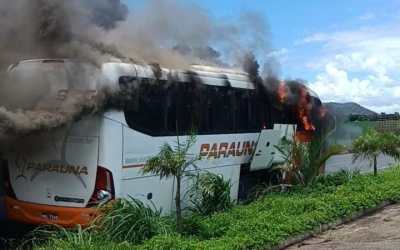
[[379, 231], [345, 162]]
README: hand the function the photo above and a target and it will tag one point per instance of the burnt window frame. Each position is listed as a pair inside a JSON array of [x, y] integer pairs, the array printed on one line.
[[206, 122]]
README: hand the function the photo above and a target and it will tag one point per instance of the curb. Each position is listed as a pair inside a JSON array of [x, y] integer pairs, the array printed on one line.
[[325, 227]]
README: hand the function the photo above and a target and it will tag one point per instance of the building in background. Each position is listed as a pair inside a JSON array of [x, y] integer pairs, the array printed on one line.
[[382, 122]]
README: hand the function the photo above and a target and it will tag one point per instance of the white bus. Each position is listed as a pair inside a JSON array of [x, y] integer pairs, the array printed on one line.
[[61, 176]]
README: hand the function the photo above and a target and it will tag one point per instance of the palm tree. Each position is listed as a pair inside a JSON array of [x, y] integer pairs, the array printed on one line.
[[293, 153], [370, 145], [302, 162], [173, 161], [317, 153]]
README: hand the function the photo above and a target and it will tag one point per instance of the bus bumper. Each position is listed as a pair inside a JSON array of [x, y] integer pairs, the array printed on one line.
[[43, 214]]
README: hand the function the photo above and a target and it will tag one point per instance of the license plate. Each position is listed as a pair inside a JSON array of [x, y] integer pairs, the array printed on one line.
[[49, 216]]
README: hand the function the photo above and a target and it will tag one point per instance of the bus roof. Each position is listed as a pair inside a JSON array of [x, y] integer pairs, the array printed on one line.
[[208, 75]]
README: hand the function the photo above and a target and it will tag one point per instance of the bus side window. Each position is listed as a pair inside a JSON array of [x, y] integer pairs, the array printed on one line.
[[183, 108], [187, 114], [171, 103], [242, 110], [145, 110], [254, 123], [216, 110]]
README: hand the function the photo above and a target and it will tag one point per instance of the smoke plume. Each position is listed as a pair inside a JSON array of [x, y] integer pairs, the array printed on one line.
[[169, 33], [178, 33]]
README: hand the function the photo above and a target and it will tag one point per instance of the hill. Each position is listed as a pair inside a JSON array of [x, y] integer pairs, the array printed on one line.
[[343, 110]]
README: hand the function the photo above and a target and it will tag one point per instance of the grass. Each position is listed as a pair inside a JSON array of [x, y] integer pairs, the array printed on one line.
[[269, 220], [125, 222]]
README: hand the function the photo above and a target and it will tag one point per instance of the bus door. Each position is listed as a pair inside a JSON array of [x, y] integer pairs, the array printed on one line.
[[266, 153]]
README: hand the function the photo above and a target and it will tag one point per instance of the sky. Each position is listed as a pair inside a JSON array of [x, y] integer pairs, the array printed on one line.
[[346, 50]]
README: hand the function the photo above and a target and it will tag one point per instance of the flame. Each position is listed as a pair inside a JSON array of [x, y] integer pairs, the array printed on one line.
[[304, 109], [305, 119], [303, 106], [283, 94]]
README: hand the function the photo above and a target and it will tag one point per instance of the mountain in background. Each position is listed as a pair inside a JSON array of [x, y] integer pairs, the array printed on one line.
[[342, 111]]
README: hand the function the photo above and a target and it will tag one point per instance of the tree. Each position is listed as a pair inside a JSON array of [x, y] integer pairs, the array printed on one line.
[[371, 144], [173, 162]]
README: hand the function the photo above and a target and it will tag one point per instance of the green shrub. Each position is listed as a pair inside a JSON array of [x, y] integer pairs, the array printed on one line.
[[210, 193], [53, 237], [132, 221], [126, 222]]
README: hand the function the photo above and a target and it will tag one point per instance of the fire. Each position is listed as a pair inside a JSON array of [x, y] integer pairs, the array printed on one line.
[[304, 109], [304, 117], [282, 92], [302, 104]]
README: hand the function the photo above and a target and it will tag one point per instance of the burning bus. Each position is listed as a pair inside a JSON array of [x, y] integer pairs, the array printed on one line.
[[60, 176]]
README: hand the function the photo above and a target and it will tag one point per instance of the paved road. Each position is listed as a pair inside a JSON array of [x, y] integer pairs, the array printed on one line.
[[376, 232], [345, 162]]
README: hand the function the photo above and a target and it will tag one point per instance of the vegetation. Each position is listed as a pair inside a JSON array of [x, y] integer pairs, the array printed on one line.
[[53, 237], [294, 154], [132, 221], [302, 162], [210, 194], [125, 222], [173, 162], [317, 153], [371, 144], [267, 221]]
